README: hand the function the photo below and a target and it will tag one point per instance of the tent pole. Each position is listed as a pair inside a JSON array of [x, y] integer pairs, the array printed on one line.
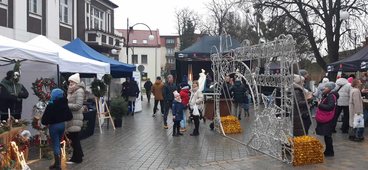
[[58, 75]]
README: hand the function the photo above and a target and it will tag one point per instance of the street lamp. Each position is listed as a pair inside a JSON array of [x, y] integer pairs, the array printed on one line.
[[130, 28]]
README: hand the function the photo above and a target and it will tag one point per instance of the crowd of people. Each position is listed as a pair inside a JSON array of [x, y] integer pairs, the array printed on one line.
[[330, 100]]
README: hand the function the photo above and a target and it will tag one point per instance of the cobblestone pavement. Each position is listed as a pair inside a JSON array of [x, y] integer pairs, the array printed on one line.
[[142, 143]]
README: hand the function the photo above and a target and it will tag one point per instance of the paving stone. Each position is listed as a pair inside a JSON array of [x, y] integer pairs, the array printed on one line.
[[142, 143]]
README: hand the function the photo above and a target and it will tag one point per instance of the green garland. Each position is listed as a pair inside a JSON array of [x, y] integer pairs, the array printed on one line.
[[98, 88], [107, 79]]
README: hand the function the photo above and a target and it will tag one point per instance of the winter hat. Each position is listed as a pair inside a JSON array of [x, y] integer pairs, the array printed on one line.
[[158, 78], [177, 96], [56, 94], [350, 80], [298, 79], [331, 85], [303, 72], [75, 78], [325, 80], [185, 87]]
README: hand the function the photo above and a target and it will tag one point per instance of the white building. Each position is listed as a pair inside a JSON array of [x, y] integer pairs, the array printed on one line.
[[143, 52]]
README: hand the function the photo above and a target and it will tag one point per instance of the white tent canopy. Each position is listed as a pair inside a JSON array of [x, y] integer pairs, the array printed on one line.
[[16, 50], [71, 62]]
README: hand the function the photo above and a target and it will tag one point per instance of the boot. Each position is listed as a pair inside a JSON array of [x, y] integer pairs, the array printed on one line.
[[56, 165]]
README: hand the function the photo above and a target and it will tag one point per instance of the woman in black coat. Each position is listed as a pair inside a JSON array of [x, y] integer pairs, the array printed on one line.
[[327, 103], [56, 114]]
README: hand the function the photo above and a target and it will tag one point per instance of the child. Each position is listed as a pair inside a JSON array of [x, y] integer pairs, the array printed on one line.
[[56, 114], [184, 95], [177, 110]]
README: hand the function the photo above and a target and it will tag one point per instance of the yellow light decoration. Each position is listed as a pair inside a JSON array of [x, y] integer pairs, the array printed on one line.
[[231, 124], [307, 150]]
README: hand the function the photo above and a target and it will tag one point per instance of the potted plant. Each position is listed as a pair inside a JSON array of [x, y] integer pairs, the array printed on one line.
[[118, 107]]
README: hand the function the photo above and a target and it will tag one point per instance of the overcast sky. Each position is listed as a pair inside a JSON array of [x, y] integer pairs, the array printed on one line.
[[157, 14]]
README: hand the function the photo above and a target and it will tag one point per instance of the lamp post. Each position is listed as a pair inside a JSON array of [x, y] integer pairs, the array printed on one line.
[[130, 28]]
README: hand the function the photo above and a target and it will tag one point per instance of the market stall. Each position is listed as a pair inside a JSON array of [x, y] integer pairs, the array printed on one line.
[[32, 63], [70, 62]]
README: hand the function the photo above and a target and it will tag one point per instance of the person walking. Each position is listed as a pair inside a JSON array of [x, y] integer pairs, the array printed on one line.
[[240, 98], [343, 88], [56, 114], [196, 105], [148, 86], [133, 93], [355, 107], [125, 88], [157, 91], [327, 104], [301, 117], [168, 94], [177, 111], [74, 126]]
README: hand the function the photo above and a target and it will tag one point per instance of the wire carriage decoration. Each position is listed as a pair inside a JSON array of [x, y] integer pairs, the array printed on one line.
[[272, 127]]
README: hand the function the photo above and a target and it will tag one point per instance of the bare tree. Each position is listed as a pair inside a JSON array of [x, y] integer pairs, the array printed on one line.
[[320, 21], [219, 10], [187, 23]]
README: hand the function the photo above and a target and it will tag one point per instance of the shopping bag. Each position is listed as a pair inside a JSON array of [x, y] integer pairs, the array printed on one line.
[[358, 121], [195, 110]]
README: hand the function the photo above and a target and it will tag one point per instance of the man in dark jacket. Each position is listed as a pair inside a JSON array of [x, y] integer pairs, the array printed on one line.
[[125, 88], [11, 95], [148, 87], [239, 93], [168, 91], [132, 93]]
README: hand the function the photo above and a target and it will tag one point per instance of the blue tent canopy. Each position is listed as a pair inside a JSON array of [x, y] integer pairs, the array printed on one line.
[[118, 69]]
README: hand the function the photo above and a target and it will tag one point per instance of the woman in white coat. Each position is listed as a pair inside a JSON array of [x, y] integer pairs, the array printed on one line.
[[196, 102]]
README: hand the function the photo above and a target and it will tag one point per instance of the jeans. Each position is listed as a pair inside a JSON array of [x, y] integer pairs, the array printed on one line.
[[56, 133], [161, 106], [183, 123], [77, 147], [168, 106], [238, 109]]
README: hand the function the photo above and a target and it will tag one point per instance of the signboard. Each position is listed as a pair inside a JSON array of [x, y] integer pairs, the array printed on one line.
[[138, 101]]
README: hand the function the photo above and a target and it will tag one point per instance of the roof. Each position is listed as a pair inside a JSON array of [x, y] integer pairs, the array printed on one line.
[[71, 62], [15, 50], [350, 64], [206, 45], [111, 3], [141, 35], [118, 69]]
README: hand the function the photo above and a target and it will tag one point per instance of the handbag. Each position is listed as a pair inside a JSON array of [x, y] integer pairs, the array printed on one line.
[[358, 121], [323, 116]]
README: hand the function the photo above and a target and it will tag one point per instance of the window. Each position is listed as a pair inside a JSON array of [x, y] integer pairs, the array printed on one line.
[[144, 41], [65, 11], [170, 60], [97, 17], [170, 41], [134, 41], [144, 59], [135, 59], [5, 2], [87, 16], [170, 51], [35, 6]]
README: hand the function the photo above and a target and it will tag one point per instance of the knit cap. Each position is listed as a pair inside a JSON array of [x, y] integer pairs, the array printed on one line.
[[75, 78]]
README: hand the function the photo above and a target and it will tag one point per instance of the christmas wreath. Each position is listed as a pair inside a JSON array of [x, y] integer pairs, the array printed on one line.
[[98, 88], [42, 88]]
